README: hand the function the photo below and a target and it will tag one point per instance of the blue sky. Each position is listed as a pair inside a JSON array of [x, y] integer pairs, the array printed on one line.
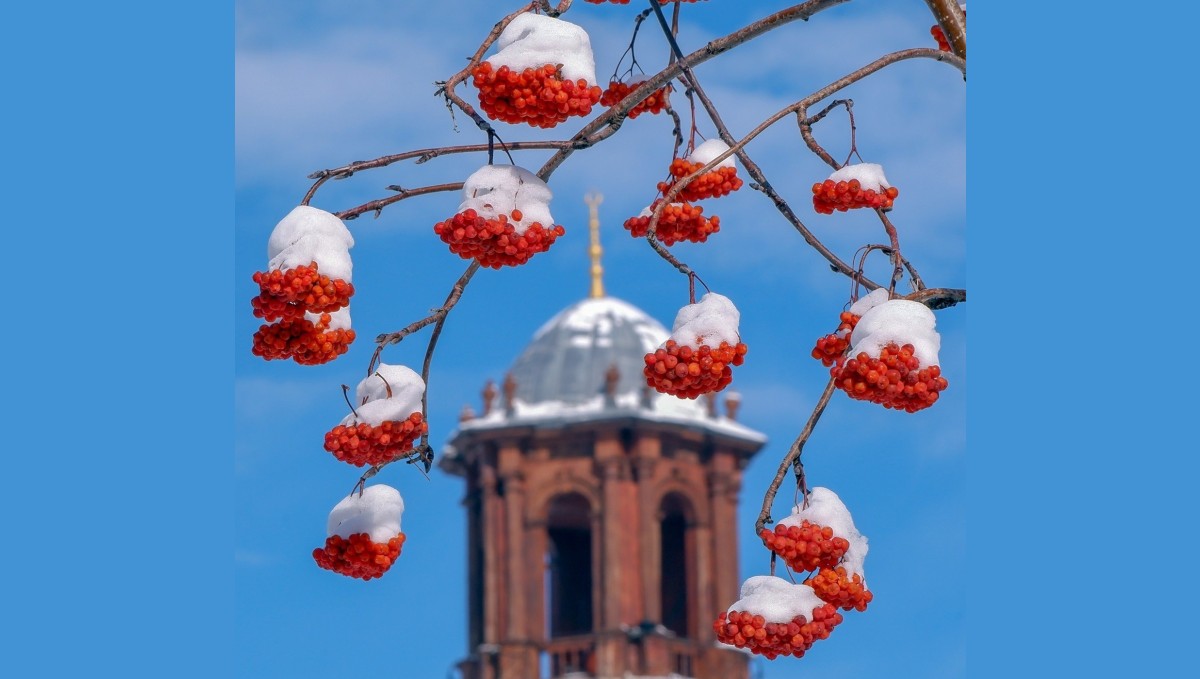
[[320, 84]]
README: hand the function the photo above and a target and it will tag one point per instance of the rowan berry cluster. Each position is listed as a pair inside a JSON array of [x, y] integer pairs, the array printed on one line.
[[773, 639], [289, 293], [495, 243], [847, 592], [362, 444], [302, 340], [678, 222], [536, 96], [806, 547], [894, 380], [617, 91], [832, 346], [357, 556], [685, 372], [720, 181], [831, 195]]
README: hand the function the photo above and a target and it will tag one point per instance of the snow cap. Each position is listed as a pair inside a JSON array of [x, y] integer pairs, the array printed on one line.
[[869, 175], [825, 508], [776, 599], [376, 406], [901, 321], [308, 235], [874, 298], [712, 320], [493, 190], [376, 512], [704, 153], [533, 40], [338, 320]]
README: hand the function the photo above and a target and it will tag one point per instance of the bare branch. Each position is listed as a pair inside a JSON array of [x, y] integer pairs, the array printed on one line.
[[949, 16], [793, 456]]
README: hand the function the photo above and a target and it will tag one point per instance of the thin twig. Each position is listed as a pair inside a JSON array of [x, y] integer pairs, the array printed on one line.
[[793, 454]]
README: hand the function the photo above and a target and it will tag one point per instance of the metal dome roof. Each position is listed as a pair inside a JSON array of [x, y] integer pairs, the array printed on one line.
[[568, 357]]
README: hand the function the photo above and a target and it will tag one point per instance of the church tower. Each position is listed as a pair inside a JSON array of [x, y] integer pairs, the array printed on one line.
[[601, 515]]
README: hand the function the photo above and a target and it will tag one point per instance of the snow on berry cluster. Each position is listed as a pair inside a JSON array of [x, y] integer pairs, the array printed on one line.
[[893, 357], [774, 617], [678, 222], [386, 421], [820, 536], [854, 186], [504, 218], [683, 221], [719, 181], [696, 358], [304, 294], [364, 537], [617, 91], [542, 73]]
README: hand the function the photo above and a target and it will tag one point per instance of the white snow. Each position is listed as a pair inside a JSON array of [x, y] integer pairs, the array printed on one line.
[[864, 304], [901, 321], [712, 320], [825, 508], [493, 190], [533, 40], [776, 599], [375, 406], [338, 320], [869, 175], [376, 512], [307, 235], [706, 152]]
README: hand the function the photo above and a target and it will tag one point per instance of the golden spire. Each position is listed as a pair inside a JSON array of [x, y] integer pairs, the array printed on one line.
[[593, 200]]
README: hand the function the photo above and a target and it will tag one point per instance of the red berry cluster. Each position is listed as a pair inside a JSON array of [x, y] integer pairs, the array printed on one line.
[[357, 556], [289, 293], [773, 639], [712, 184], [806, 547], [494, 242], [362, 444], [301, 340], [835, 587], [894, 380], [830, 195], [831, 347], [535, 96], [678, 222], [616, 91], [687, 373]]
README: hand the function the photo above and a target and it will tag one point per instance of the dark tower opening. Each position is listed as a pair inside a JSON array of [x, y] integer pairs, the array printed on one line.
[[569, 567], [674, 565]]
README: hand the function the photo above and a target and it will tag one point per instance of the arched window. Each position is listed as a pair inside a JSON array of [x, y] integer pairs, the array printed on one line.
[[675, 563], [568, 584]]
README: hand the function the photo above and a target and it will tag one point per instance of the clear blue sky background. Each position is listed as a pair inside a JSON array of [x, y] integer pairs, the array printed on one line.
[[120, 425], [323, 84]]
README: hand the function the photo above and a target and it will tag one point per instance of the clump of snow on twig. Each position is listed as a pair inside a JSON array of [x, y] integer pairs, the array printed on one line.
[[706, 152], [307, 235], [493, 190], [375, 406], [376, 512], [776, 599], [869, 176], [898, 321], [712, 320], [533, 40]]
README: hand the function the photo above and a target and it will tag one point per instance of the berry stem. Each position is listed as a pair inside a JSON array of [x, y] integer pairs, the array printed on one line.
[[792, 456]]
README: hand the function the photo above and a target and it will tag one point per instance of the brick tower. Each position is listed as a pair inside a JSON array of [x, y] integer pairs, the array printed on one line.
[[601, 516]]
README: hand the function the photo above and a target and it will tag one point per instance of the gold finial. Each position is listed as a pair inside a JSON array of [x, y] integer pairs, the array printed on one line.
[[593, 200]]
